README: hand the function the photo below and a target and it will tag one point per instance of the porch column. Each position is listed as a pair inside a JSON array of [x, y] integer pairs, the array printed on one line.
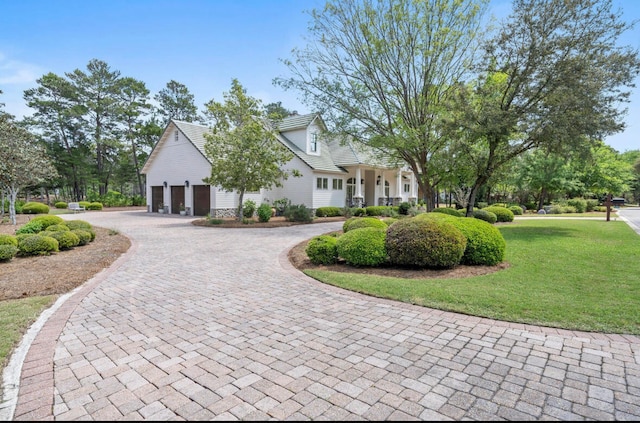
[[358, 199], [398, 199], [382, 200]]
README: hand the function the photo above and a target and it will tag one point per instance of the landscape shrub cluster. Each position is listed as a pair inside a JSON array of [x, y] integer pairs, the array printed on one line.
[[43, 235], [428, 240]]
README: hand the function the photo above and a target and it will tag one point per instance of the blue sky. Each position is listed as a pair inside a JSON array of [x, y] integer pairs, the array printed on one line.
[[202, 44]]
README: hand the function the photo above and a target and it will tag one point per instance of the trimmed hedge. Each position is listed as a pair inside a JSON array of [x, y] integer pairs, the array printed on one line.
[[484, 214], [516, 210], [38, 245], [485, 244], [60, 205], [94, 206], [323, 250], [48, 220], [58, 228], [362, 222], [6, 239], [78, 224], [363, 246], [84, 204], [389, 220], [298, 213], [448, 210], [35, 208], [503, 214], [84, 236], [425, 242], [328, 211], [66, 239], [379, 210], [7, 252]]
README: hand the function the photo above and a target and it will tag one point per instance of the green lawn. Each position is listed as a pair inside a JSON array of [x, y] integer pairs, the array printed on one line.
[[15, 318], [573, 274]]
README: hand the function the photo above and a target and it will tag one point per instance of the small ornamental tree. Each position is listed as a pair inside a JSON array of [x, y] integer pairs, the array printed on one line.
[[23, 162], [244, 151]]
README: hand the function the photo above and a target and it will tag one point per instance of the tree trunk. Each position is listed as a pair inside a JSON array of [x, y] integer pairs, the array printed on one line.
[[240, 199], [543, 194], [13, 194]]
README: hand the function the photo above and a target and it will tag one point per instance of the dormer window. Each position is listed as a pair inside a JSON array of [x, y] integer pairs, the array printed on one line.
[[313, 146]]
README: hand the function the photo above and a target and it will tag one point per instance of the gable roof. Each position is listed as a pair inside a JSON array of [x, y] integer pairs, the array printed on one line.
[[332, 157]]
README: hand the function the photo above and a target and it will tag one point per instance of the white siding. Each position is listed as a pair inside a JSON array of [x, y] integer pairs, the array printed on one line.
[[329, 196], [298, 137], [176, 162], [298, 190]]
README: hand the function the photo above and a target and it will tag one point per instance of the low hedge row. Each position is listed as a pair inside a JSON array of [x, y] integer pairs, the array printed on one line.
[[429, 240]]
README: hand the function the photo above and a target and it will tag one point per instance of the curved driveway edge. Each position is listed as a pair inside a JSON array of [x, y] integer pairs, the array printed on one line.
[[212, 323]]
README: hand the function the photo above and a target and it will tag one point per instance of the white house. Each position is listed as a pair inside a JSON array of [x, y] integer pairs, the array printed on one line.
[[330, 172]]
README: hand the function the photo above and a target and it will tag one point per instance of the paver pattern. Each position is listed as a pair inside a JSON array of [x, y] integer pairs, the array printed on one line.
[[205, 324]]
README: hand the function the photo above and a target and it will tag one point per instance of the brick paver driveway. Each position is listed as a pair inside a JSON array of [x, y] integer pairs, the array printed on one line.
[[200, 323]]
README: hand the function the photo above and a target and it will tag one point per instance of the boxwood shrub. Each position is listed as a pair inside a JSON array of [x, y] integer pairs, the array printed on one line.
[[484, 214], [84, 236], [66, 239], [580, 204], [503, 214], [6, 239], [77, 224], [425, 242], [363, 246], [84, 204], [264, 212], [34, 207], [485, 243], [298, 213], [94, 206], [7, 252], [323, 249], [362, 222], [58, 228], [48, 220], [448, 210], [328, 211], [516, 210], [60, 205], [378, 210], [37, 245], [389, 220], [32, 227]]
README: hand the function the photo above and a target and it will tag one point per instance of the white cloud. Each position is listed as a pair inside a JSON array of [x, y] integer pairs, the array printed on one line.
[[17, 72]]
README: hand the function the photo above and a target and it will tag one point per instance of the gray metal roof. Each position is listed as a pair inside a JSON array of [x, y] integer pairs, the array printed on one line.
[[333, 155]]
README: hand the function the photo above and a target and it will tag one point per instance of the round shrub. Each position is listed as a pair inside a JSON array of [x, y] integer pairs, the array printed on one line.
[[298, 213], [591, 205], [94, 206], [58, 228], [84, 204], [362, 222], [38, 245], [6, 239], [448, 210], [66, 239], [485, 215], [7, 252], [35, 208], [569, 209], [389, 220], [60, 205], [555, 209], [363, 246], [485, 243], [404, 207], [328, 211], [264, 212], [580, 204], [84, 236], [503, 214], [425, 242], [77, 224], [516, 210], [358, 211], [20, 237], [32, 227], [323, 250], [48, 220]]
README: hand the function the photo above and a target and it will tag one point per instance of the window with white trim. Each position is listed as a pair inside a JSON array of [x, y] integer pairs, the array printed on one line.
[[407, 188], [337, 184], [322, 183], [313, 144]]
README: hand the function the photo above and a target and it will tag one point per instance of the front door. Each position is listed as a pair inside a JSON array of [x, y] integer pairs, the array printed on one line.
[[177, 198]]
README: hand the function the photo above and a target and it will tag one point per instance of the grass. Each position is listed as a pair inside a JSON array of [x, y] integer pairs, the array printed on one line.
[[571, 274], [15, 318]]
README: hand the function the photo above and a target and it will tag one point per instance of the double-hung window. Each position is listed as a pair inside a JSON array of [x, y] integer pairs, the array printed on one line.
[[313, 145], [337, 184], [322, 183]]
